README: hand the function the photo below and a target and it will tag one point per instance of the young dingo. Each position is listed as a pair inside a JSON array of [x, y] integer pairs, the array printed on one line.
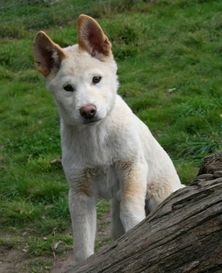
[[106, 150]]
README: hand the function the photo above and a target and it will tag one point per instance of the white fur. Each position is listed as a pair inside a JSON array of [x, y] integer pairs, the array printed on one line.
[[116, 157]]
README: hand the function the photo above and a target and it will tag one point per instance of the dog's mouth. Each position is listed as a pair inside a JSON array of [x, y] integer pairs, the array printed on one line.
[[91, 121]]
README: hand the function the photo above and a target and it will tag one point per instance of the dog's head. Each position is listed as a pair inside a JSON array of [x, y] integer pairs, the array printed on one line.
[[81, 77]]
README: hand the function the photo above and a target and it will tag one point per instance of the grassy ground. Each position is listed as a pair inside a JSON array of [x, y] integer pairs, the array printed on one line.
[[169, 56]]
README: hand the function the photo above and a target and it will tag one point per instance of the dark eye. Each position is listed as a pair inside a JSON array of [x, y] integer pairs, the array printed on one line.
[[96, 79], [68, 88]]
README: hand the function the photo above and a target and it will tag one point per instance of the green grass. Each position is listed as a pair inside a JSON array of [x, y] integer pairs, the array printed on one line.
[[169, 57]]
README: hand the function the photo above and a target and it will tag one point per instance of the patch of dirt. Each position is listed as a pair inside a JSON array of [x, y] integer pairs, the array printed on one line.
[[10, 260], [18, 261], [62, 265]]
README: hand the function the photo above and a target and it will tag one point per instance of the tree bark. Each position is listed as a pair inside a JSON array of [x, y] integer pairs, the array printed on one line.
[[184, 234]]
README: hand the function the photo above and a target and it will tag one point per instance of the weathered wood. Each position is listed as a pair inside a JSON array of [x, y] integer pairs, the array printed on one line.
[[183, 235], [211, 164]]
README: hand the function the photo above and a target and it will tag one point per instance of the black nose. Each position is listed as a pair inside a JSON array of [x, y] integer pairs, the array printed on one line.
[[88, 111]]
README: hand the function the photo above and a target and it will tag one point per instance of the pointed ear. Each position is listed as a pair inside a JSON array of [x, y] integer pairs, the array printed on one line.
[[47, 54], [92, 38]]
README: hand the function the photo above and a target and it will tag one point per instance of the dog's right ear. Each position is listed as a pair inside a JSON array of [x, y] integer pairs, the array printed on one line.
[[47, 54]]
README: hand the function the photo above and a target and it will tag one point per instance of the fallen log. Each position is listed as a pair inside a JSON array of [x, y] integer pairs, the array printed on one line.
[[184, 234]]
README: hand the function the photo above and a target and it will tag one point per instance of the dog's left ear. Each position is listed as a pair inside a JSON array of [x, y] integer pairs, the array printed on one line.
[[92, 38]]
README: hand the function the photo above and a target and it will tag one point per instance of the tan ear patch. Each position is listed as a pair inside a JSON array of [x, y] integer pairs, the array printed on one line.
[[92, 38], [48, 55]]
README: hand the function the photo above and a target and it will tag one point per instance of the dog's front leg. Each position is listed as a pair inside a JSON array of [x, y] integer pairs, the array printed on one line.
[[82, 205], [133, 184]]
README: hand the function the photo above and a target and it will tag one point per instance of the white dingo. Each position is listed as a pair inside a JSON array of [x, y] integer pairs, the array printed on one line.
[[106, 150]]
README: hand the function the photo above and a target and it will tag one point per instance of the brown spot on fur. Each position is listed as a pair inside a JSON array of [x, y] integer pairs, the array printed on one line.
[[48, 55], [84, 183], [92, 38], [84, 187], [131, 190], [130, 185], [125, 165]]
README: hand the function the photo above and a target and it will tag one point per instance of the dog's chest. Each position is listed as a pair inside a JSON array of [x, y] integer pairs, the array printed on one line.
[[93, 147], [105, 182], [100, 180], [91, 154]]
